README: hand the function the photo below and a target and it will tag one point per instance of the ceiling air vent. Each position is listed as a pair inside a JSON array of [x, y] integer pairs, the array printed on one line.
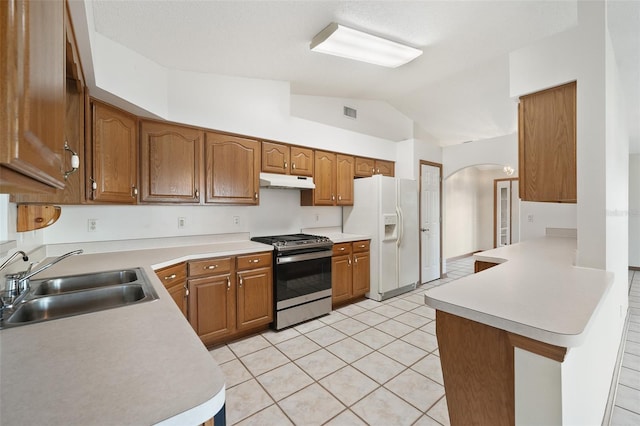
[[350, 112]]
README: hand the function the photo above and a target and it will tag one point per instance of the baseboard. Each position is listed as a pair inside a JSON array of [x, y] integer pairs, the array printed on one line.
[[462, 256], [634, 268], [608, 412]]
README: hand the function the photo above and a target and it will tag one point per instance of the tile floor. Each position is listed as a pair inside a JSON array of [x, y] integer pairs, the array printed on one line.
[[627, 403], [370, 363], [366, 363]]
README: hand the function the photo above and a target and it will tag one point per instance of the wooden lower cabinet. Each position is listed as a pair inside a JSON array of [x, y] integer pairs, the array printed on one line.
[[174, 279], [255, 291], [479, 266], [212, 303], [350, 271]]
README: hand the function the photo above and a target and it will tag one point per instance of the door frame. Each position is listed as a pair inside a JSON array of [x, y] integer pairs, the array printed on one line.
[[439, 166], [495, 211]]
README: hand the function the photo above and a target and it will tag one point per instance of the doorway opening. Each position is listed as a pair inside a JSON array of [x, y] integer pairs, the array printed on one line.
[[430, 221]]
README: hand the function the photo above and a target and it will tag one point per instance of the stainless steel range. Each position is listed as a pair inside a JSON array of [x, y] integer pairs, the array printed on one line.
[[301, 277]]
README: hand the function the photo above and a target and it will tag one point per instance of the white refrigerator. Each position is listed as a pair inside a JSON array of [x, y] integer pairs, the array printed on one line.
[[386, 209]]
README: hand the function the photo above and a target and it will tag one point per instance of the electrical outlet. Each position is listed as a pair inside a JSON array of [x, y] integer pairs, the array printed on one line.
[[530, 218], [92, 225], [317, 217], [236, 220], [182, 222]]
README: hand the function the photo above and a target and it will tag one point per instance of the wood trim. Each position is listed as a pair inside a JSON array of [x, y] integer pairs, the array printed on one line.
[[634, 268], [438, 165], [556, 353]]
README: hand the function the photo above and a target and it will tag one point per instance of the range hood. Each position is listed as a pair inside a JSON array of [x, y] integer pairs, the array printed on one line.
[[274, 180]]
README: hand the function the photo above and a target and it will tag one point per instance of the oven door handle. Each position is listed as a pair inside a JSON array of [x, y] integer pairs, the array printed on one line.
[[304, 256]]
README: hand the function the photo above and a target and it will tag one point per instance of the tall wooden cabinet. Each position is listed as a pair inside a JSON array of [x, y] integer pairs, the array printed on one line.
[[333, 177], [547, 145], [170, 163], [232, 168], [32, 88]]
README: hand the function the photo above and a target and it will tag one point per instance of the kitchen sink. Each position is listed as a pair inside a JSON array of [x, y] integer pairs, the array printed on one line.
[[84, 282], [61, 297]]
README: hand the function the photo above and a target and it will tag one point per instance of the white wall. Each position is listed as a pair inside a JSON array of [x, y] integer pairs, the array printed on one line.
[[634, 210], [502, 150]]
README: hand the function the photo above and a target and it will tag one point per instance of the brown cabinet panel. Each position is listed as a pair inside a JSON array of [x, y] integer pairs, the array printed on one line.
[[301, 161], [251, 261], [212, 307], [350, 271], [386, 168], [547, 145], [232, 169], [174, 279], [480, 266], [32, 65], [275, 158], [365, 167], [215, 265], [255, 298], [170, 163], [341, 279], [324, 178], [344, 179], [361, 273], [114, 155]]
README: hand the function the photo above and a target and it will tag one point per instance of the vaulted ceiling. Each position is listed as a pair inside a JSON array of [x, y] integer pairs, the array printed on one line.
[[458, 90]]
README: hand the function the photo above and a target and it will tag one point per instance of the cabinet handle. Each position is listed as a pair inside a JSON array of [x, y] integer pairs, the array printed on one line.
[[373, 171], [254, 261], [355, 259], [134, 191], [378, 171], [285, 164], [186, 293], [170, 277], [228, 283], [75, 161], [342, 248], [293, 166], [211, 267], [362, 246], [333, 197], [94, 184], [349, 260], [339, 197], [241, 281], [255, 195], [197, 194]]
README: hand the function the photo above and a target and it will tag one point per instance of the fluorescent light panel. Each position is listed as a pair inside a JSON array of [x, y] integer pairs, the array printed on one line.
[[346, 42]]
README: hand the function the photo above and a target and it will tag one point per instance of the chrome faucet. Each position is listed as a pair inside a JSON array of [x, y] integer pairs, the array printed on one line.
[[13, 256], [11, 292], [24, 278]]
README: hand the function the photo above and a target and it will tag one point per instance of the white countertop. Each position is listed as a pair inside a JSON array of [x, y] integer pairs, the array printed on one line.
[[139, 364], [535, 291]]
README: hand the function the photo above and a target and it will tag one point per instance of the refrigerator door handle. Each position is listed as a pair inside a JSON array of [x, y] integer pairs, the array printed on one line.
[[400, 226]]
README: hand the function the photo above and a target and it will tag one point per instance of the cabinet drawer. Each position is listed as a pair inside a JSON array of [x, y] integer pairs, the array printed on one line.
[[342, 248], [360, 246], [251, 261], [172, 275], [217, 265]]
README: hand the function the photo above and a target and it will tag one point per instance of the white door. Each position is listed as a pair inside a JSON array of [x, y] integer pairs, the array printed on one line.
[[430, 222], [503, 213], [409, 235]]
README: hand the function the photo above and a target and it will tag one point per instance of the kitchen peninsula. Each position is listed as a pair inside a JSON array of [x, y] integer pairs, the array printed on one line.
[[504, 333]]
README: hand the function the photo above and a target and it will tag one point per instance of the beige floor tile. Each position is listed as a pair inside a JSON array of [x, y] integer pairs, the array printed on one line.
[[285, 380], [244, 400], [388, 311], [271, 415], [429, 328], [368, 304], [320, 364], [264, 360], [406, 304], [422, 340], [634, 326], [348, 385], [630, 378], [426, 421], [440, 412], [275, 337], [234, 373], [326, 335], [413, 319], [351, 310], [382, 407], [632, 348], [631, 361], [394, 328], [416, 389], [430, 367], [349, 350], [349, 326], [297, 347], [622, 417], [308, 326], [633, 336], [313, 405], [373, 338], [417, 298], [248, 345], [403, 352], [334, 316], [346, 418], [370, 318], [628, 398], [222, 354], [379, 367]]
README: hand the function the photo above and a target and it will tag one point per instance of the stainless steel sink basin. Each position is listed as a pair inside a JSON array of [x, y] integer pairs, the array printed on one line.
[[60, 297], [84, 282]]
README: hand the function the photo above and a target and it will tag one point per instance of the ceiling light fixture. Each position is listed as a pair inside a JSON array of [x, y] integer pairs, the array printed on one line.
[[508, 170], [346, 42]]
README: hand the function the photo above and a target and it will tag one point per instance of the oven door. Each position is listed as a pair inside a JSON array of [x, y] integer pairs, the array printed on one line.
[[301, 278]]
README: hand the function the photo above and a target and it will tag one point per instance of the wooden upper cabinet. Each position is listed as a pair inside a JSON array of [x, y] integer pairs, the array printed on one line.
[[344, 179], [385, 168], [170, 163], [32, 65], [324, 178], [285, 159], [232, 169], [367, 167], [547, 145], [114, 155]]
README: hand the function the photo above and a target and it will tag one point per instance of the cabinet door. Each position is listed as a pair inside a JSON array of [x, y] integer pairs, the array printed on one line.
[[344, 179], [301, 161], [32, 55], [275, 158], [212, 307], [232, 169], [179, 295], [365, 167], [170, 166], [341, 278], [324, 178], [385, 168], [547, 145], [174, 279], [255, 298], [114, 155], [361, 273]]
